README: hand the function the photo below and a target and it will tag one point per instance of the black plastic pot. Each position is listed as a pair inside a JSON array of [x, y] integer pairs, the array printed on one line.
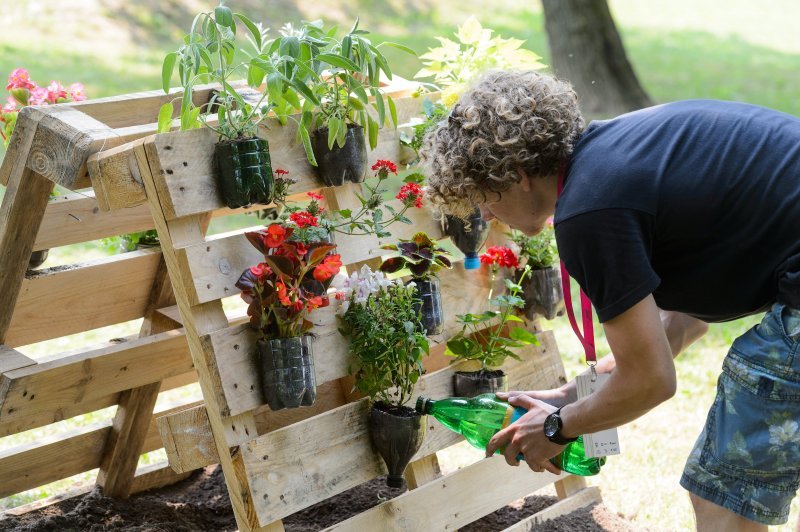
[[429, 305], [397, 433], [469, 242], [244, 172], [287, 372], [542, 293], [472, 383], [337, 165], [37, 258]]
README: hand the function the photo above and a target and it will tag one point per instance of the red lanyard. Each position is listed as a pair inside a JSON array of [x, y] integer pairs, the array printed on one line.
[[587, 338]]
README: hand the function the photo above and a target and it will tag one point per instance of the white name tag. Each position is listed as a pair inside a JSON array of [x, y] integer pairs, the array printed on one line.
[[604, 442]]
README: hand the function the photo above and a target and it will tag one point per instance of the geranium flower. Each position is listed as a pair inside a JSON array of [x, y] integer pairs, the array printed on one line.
[[280, 172], [386, 166], [304, 219], [276, 234], [411, 194], [315, 196], [500, 256], [20, 79]]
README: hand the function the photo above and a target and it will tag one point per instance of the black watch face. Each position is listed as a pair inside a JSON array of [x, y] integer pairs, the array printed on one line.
[[551, 425]]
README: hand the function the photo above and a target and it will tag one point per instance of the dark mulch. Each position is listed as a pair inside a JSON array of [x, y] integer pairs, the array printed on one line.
[[201, 503]]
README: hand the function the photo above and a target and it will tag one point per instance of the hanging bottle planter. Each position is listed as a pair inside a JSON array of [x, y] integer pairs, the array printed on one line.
[[287, 372], [542, 293], [339, 164], [467, 241], [244, 172], [397, 433], [429, 305], [472, 383]]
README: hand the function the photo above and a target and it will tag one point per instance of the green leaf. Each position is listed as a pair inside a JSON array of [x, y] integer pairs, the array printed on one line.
[[524, 336], [304, 90], [345, 213], [223, 16], [514, 317], [194, 116], [338, 61], [392, 110], [347, 44], [304, 136], [275, 86], [398, 46], [167, 69], [373, 132], [252, 27], [379, 106], [333, 130], [165, 117]]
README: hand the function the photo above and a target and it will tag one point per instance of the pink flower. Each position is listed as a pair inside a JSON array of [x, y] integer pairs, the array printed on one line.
[[10, 106], [76, 92], [38, 96], [56, 92], [20, 79]]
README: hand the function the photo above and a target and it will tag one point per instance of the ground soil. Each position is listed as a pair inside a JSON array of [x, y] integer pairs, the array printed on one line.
[[201, 503]]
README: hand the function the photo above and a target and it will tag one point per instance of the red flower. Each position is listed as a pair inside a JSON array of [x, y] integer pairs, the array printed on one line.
[[282, 295], [411, 194], [315, 196], [383, 164], [501, 256], [339, 296], [276, 234], [280, 172], [330, 266], [304, 219], [314, 302], [300, 248], [260, 270]]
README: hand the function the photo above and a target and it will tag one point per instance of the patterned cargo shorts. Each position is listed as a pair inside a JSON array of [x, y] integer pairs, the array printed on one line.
[[747, 458]]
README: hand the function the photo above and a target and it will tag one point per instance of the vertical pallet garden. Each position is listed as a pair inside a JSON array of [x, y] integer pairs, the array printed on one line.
[[275, 463]]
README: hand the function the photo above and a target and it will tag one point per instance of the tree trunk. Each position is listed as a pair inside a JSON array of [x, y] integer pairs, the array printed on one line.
[[586, 50]]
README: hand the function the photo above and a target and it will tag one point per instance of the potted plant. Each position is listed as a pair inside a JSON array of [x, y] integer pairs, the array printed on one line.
[[468, 234], [423, 257], [210, 55], [386, 348], [281, 292], [484, 337], [373, 217], [338, 114], [23, 91], [542, 289]]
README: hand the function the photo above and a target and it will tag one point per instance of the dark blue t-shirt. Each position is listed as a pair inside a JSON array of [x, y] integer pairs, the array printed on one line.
[[696, 202]]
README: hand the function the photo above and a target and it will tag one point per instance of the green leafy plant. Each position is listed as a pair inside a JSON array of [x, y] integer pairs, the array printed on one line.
[[387, 346], [434, 112], [486, 337], [210, 55], [130, 241], [341, 92], [420, 254], [456, 63], [539, 251]]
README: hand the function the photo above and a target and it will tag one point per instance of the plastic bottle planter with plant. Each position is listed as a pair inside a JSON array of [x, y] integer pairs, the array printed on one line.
[[22, 92], [131, 241], [338, 112], [386, 350], [468, 234], [423, 257], [486, 337], [209, 55], [374, 217], [281, 293], [542, 289]]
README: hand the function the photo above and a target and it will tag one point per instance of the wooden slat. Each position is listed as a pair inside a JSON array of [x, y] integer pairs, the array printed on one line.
[[75, 217], [21, 212], [186, 157], [11, 359], [327, 454], [156, 476], [581, 499], [56, 302], [452, 501], [61, 456], [28, 393], [107, 168]]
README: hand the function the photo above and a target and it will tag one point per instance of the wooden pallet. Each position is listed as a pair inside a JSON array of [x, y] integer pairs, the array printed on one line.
[[275, 463]]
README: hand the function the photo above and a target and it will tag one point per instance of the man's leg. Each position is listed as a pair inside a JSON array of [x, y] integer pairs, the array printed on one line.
[[710, 517]]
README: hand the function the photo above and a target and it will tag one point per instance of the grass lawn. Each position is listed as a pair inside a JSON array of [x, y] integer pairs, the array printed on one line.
[[731, 49]]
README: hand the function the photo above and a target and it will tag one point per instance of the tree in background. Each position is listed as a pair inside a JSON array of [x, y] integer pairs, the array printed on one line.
[[586, 49]]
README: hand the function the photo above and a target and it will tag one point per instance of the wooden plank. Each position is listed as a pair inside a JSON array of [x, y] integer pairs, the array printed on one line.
[[94, 294], [581, 499], [16, 155], [422, 471], [190, 444], [317, 458], [21, 212], [36, 391], [199, 320], [452, 501], [570, 486], [66, 454], [11, 359], [463, 291], [107, 168], [156, 476]]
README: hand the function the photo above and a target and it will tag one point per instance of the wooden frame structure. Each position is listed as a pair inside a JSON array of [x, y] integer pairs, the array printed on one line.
[[275, 463]]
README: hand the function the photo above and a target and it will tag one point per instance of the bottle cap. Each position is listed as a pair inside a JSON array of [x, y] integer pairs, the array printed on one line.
[[422, 404], [472, 262]]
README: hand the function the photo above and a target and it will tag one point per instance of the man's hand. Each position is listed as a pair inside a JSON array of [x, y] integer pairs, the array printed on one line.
[[526, 437], [557, 397]]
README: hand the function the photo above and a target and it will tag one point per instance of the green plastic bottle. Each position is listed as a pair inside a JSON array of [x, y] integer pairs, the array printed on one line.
[[481, 417]]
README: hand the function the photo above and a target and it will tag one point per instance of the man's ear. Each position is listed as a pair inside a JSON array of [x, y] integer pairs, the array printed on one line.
[[525, 180]]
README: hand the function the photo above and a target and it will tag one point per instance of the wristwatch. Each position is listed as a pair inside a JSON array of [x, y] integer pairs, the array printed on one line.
[[552, 429]]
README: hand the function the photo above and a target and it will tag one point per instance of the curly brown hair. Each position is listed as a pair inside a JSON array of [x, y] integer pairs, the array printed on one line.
[[507, 121]]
